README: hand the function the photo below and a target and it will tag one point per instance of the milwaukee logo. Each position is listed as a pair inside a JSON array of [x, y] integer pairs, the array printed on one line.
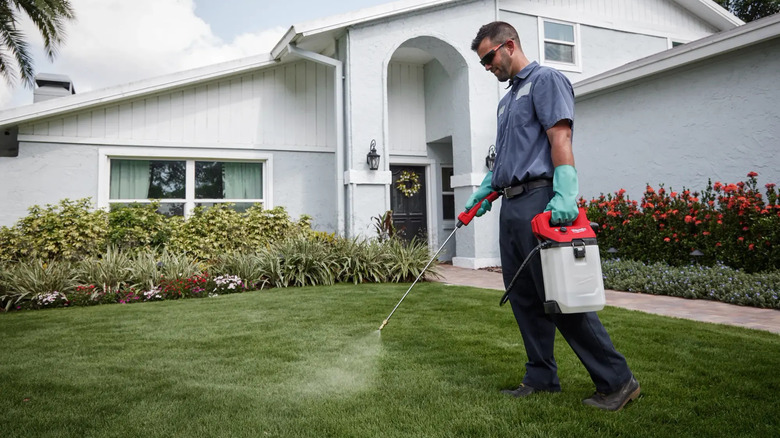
[[579, 230]]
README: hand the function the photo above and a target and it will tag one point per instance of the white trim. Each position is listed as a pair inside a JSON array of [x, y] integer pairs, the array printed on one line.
[[475, 263], [576, 46], [30, 138], [188, 154], [467, 180], [721, 19], [377, 177]]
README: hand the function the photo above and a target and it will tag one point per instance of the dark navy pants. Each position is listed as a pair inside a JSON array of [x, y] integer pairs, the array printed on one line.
[[583, 331]]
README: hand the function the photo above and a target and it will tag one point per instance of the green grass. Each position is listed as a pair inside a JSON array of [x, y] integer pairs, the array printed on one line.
[[301, 362]]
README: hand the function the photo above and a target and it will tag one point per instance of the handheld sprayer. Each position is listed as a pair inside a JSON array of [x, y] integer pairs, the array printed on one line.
[[464, 218]]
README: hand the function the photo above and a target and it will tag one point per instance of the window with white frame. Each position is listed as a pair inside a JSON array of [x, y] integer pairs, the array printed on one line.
[[182, 184], [560, 43]]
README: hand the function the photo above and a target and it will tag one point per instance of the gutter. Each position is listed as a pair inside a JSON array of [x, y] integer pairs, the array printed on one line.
[[338, 88]]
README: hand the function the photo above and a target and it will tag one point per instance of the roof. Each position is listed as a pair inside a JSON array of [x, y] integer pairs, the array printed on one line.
[[718, 44], [315, 36]]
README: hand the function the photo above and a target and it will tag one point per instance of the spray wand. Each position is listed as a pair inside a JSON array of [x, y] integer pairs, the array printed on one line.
[[463, 219]]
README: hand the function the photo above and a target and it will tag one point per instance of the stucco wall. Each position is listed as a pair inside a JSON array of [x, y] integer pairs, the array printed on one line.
[[45, 173], [445, 34], [601, 49], [718, 119]]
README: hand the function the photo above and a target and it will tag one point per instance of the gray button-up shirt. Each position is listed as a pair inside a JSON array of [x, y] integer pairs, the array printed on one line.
[[540, 97]]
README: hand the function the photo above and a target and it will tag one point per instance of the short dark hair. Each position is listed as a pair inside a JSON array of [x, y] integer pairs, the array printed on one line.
[[497, 31]]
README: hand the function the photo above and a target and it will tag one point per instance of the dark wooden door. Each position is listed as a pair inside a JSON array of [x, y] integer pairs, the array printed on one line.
[[410, 215]]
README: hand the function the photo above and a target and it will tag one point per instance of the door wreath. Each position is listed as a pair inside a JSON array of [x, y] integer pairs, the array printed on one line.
[[408, 183]]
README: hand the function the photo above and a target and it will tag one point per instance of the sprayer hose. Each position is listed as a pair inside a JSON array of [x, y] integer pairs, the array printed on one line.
[[517, 274]]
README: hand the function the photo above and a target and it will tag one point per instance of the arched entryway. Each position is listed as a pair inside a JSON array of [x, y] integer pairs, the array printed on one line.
[[428, 136]]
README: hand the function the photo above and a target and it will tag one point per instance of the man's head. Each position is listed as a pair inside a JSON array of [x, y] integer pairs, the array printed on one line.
[[498, 48]]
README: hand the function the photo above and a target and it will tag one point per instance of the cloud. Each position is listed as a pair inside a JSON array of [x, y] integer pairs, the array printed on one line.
[[118, 41]]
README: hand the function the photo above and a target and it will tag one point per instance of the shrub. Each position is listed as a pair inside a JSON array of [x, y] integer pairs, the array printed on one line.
[[408, 259], [110, 270], [248, 267], [361, 261], [730, 223], [138, 226], [23, 281], [70, 230], [306, 262], [719, 282]]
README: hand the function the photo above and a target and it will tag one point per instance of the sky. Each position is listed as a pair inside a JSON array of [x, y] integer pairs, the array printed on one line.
[[114, 42]]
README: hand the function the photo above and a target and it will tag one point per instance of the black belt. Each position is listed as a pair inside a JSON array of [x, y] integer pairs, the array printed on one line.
[[519, 189]]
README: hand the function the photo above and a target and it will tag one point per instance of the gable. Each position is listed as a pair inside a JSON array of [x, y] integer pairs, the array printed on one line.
[[263, 108], [652, 17]]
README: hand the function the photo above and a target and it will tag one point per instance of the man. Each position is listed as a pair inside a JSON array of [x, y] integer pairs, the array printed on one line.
[[534, 168]]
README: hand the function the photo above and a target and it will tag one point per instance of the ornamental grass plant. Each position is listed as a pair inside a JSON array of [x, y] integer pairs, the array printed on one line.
[[309, 362]]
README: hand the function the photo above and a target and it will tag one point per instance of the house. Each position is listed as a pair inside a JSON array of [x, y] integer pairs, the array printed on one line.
[[705, 110], [294, 127]]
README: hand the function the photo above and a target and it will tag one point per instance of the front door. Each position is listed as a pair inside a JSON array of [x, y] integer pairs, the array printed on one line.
[[407, 199]]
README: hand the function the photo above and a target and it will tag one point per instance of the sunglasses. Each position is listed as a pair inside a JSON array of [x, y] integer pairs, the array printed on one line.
[[488, 58]]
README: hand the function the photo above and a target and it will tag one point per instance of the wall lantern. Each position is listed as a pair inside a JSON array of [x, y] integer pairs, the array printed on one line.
[[490, 159], [372, 158]]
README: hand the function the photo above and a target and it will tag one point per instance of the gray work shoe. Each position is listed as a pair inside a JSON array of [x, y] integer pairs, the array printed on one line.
[[616, 400], [523, 391]]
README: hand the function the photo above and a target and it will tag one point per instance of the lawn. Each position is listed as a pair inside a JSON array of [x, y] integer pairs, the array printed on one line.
[[310, 362]]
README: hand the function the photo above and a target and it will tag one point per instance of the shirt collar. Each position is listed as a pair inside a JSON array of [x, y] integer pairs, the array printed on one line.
[[523, 74]]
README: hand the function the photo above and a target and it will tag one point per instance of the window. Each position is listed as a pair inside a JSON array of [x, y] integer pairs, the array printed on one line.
[[181, 185], [559, 44], [447, 194]]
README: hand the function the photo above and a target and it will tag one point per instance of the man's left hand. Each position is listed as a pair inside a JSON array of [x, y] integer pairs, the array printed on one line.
[[564, 204]]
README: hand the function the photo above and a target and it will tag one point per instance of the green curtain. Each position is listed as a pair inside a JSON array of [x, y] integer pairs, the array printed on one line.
[[243, 180], [129, 179]]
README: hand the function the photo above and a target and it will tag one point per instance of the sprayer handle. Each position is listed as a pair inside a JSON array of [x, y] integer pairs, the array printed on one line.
[[465, 217]]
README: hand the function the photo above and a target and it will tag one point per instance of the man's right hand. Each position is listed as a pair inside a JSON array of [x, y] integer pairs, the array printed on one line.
[[484, 189]]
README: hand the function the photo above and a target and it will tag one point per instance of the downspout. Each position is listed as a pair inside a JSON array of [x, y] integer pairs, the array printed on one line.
[[338, 87]]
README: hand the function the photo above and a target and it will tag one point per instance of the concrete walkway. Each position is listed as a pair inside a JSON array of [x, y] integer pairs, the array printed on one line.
[[697, 310]]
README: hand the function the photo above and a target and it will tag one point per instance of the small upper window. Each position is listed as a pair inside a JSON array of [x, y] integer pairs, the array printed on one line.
[[559, 44]]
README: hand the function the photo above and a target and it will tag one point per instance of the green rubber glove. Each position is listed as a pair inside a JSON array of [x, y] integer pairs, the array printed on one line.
[[484, 189], [564, 203]]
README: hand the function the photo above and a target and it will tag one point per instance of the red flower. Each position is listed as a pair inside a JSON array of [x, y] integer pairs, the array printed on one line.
[[770, 185], [650, 190], [705, 233], [666, 239], [674, 194], [751, 247], [741, 239], [717, 186], [752, 175], [688, 219], [718, 244]]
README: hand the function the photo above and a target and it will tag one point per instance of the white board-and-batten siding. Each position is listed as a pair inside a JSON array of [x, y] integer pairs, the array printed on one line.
[[289, 107], [406, 109]]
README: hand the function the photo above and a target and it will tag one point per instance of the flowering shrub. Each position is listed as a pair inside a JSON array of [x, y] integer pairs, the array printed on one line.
[[729, 223], [89, 295], [153, 294], [51, 299], [227, 284], [175, 288]]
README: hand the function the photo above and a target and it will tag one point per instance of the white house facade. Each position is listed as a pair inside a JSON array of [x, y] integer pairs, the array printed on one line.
[[294, 127]]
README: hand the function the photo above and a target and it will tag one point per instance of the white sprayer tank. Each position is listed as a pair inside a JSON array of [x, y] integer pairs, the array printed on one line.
[[571, 265]]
